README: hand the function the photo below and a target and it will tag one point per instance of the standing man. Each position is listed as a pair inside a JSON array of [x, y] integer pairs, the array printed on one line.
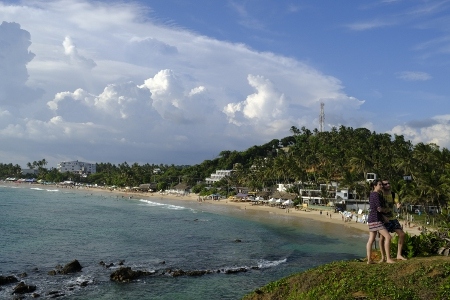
[[392, 224]]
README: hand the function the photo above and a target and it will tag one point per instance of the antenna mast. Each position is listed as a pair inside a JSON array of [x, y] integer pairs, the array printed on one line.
[[322, 116]]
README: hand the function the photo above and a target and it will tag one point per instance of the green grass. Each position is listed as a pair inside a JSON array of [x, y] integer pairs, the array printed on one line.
[[418, 278]]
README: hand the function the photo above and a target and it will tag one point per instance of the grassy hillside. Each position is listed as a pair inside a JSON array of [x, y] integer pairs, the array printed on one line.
[[418, 278]]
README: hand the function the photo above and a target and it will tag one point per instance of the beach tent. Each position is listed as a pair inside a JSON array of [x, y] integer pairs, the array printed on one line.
[[288, 202]]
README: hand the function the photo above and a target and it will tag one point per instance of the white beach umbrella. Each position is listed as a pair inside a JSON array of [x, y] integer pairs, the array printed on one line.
[[288, 202]]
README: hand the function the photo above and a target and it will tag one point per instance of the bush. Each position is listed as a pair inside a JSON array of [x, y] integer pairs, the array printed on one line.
[[424, 244]]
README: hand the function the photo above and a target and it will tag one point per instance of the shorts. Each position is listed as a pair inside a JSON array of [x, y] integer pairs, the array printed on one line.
[[392, 225], [375, 226]]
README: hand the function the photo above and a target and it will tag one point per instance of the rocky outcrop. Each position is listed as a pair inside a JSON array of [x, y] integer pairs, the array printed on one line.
[[238, 270], [102, 263], [179, 272], [23, 288], [72, 267], [126, 274], [7, 280], [55, 294]]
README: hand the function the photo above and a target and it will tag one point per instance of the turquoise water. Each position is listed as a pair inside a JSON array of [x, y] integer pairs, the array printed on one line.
[[45, 227]]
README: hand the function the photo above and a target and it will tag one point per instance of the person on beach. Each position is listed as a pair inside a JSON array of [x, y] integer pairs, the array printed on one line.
[[392, 224], [376, 221]]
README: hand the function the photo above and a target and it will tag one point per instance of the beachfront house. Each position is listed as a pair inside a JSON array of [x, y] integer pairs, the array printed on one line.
[[323, 195], [347, 200], [180, 189], [217, 176], [147, 187]]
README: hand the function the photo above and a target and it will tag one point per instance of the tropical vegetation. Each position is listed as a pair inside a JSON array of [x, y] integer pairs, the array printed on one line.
[[305, 158]]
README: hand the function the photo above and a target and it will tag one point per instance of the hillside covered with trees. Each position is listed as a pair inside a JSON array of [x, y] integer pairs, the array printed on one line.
[[344, 155]]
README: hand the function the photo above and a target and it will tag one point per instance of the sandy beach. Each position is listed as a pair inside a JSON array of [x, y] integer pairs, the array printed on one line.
[[327, 215]]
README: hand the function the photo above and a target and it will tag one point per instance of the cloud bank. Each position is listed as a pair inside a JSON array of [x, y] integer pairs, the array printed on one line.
[[103, 82]]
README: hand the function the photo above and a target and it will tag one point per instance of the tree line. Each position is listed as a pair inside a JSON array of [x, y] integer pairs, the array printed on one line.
[[304, 158]]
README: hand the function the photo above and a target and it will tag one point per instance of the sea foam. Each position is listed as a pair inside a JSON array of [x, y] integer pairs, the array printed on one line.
[[270, 264], [163, 205]]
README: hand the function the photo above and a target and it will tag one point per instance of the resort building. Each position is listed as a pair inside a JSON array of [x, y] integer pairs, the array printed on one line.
[[77, 167], [219, 175]]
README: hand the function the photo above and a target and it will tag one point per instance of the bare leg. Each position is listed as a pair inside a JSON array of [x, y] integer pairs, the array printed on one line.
[[372, 235], [401, 240], [387, 245], [382, 251]]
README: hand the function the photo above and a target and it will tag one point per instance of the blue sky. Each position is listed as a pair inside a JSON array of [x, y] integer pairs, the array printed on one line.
[[178, 81]]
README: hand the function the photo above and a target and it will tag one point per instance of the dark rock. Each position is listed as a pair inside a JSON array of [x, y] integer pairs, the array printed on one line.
[[163, 262], [24, 274], [51, 293], [7, 280], [197, 272], [177, 273], [126, 274], [232, 271], [237, 240], [84, 283], [72, 267], [22, 288], [57, 295], [35, 295], [109, 265], [121, 262], [52, 273], [102, 263]]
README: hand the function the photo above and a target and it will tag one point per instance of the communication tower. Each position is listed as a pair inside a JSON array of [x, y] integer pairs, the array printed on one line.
[[322, 116]]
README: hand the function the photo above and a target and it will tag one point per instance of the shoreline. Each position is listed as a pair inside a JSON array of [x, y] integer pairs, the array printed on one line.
[[327, 216]]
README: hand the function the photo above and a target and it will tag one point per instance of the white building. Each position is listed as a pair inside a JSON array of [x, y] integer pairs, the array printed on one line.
[[371, 177], [284, 187], [219, 175], [76, 167]]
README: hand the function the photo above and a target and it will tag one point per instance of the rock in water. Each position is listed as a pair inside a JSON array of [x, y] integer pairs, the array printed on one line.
[[72, 267], [22, 288]]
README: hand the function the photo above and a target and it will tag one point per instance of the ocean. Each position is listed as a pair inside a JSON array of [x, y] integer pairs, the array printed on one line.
[[43, 227]]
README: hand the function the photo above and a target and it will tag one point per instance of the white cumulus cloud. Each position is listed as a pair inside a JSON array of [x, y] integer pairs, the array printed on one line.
[[71, 51]]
